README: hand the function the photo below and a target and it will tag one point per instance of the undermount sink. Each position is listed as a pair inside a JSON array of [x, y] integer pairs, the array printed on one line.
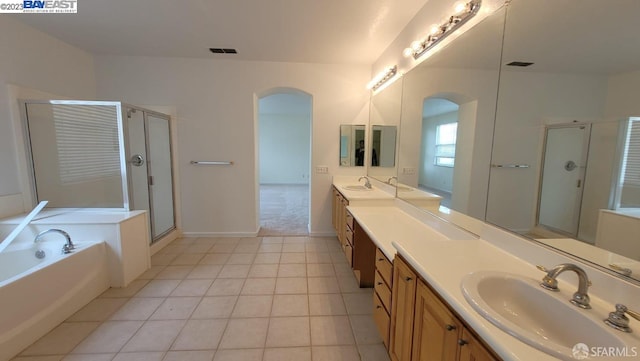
[[357, 187], [404, 188], [538, 317]]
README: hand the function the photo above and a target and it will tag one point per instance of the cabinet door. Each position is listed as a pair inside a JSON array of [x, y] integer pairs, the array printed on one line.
[[436, 330], [403, 297], [473, 350]]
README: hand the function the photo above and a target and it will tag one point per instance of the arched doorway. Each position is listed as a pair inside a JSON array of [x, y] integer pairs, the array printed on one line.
[[284, 162]]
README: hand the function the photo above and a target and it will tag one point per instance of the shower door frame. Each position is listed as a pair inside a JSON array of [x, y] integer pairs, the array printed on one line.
[[583, 169], [124, 115]]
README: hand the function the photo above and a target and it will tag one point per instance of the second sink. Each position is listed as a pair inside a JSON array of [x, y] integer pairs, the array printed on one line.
[[539, 318]]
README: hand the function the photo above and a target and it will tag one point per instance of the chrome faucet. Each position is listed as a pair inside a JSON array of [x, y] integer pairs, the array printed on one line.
[[580, 298], [618, 320], [366, 183], [67, 248], [392, 178]]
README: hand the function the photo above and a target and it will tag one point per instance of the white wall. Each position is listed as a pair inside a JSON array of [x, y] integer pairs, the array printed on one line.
[[284, 148], [216, 105], [430, 175], [37, 63]]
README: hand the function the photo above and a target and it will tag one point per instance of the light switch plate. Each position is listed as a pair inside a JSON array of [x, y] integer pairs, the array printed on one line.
[[322, 169], [408, 171]]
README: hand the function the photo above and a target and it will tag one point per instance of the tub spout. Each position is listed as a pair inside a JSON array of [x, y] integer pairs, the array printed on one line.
[[68, 246]]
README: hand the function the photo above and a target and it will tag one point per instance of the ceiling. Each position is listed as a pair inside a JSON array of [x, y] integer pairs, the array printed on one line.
[[308, 31]]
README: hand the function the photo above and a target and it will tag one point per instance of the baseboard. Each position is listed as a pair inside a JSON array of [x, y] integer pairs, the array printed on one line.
[[219, 234]]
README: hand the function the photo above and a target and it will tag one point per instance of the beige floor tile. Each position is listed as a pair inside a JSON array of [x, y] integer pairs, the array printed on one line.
[[239, 355], [259, 286], [317, 257], [293, 247], [320, 270], [207, 240], [333, 353], [349, 284], [234, 271], [287, 354], [374, 353], [187, 259], [215, 307], [192, 288], [245, 333], [288, 331], [226, 287], [62, 339], [223, 248], [176, 308], [215, 258], [359, 303], [38, 358], [158, 288], [331, 330], [270, 240], [267, 258], [205, 355], [343, 269], [198, 248], [270, 248], [291, 285], [90, 357], [251, 240], [241, 258], [139, 356], [326, 304], [263, 270], [338, 257], [290, 305], [316, 247], [205, 271], [228, 240], [174, 248], [292, 270], [364, 330], [253, 306], [246, 248], [174, 272], [293, 257], [98, 310], [133, 288], [151, 273], [154, 336], [162, 259], [200, 335], [323, 285], [295, 240], [108, 337], [137, 308]]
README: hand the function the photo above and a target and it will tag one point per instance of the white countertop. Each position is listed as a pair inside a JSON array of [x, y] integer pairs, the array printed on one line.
[[379, 190], [443, 262]]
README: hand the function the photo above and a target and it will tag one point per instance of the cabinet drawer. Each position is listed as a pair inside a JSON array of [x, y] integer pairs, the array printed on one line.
[[381, 319], [383, 291], [349, 235], [349, 220], [348, 251], [384, 266]]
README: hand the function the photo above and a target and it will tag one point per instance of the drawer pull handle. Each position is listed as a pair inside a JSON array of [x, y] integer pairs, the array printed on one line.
[[378, 307], [408, 279], [462, 342], [379, 283], [380, 259], [450, 327]]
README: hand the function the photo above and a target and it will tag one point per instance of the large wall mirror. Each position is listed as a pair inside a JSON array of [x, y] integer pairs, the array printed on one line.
[[569, 89], [563, 163], [384, 122], [448, 110], [352, 145]]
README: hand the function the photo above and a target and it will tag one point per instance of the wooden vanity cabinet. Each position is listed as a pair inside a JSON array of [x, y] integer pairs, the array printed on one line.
[[424, 328], [340, 203], [382, 296]]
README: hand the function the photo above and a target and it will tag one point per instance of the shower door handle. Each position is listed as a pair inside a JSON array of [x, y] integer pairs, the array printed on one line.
[[579, 183], [137, 160]]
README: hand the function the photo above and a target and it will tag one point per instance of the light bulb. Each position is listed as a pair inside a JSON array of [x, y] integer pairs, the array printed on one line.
[[460, 7], [407, 52], [416, 45], [435, 28]]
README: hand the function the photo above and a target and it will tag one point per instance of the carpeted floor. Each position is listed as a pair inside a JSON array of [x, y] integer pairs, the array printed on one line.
[[284, 210]]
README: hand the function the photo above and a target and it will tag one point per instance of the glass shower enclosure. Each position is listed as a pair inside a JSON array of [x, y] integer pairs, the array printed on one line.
[[95, 154]]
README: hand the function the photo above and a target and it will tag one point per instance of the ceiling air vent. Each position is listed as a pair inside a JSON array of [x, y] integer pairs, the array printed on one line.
[[223, 51], [519, 63]]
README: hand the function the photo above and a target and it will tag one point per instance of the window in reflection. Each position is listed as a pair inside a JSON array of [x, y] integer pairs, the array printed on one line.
[[629, 188], [446, 144]]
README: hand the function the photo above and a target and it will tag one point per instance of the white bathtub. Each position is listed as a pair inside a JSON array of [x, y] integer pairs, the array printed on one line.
[[37, 295]]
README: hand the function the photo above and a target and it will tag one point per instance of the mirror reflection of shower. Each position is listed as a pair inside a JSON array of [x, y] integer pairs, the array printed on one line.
[[438, 148]]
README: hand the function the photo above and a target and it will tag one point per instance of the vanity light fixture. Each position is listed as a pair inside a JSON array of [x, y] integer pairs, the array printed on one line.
[[463, 12], [382, 78]]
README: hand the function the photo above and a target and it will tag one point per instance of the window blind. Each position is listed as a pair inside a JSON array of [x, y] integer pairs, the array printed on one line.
[[87, 142]]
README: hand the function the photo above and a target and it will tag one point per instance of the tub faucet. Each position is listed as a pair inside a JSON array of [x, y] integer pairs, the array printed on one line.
[[580, 298], [67, 248], [366, 183]]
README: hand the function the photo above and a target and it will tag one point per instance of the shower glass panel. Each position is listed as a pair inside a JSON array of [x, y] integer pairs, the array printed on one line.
[[562, 180], [160, 182], [136, 161]]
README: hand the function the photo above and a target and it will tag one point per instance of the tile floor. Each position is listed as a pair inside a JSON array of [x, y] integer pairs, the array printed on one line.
[[226, 299]]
